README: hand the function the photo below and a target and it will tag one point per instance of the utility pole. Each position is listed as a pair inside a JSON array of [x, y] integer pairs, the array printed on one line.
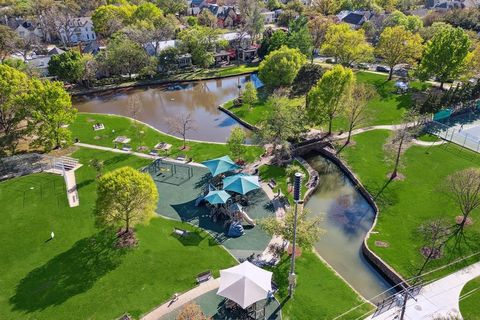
[[292, 278]]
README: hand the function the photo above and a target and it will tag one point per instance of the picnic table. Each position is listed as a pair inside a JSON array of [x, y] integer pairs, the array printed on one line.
[[163, 146], [121, 139]]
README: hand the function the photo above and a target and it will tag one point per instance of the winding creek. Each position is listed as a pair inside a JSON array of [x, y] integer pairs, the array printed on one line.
[[347, 215]]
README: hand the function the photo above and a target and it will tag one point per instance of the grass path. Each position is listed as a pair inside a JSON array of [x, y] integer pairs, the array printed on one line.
[[469, 300]]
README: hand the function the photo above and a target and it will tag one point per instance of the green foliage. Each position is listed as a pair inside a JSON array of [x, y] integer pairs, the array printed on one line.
[[52, 114], [446, 55], [273, 5], [67, 66], [9, 41], [299, 36], [346, 45], [109, 19], [277, 40], [249, 95], [398, 45], [172, 6], [200, 42], [146, 12], [291, 170], [192, 21], [411, 23], [123, 56], [235, 142], [326, 99], [207, 19], [280, 67], [14, 88], [168, 59], [308, 229], [306, 78], [125, 196]]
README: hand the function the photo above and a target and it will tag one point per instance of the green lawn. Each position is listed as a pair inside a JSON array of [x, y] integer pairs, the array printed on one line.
[[319, 294], [268, 172], [123, 126], [78, 274], [405, 205], [469, 306], [386, 108], [260, 110]]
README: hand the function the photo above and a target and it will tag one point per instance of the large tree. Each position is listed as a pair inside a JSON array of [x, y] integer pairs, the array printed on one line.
[[299, 37], [411, 23], [464, 188], [308, 230], [398, 45], [67, 66], [326, 7], [51, 113], [446, 55], [318, 27], [172, 6], [236, 142], [109, 19], [14, 86], [327, 98], [280, 67], [285, 123], [207, 18], [123, 56], [125, 197], [346, 45], [200, 42], [306, 78], [252, 18], [9, 42]]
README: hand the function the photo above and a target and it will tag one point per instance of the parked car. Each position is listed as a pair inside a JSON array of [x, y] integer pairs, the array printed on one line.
[[382, 69], [363, 66], [329, 60]]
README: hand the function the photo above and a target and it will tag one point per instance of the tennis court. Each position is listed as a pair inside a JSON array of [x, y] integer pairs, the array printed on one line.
[[463, 129]]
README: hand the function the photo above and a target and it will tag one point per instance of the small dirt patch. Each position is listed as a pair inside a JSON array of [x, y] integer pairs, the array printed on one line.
[[181, 148], [126, 239], [382, 244], [459, 219], [298, 251], [399, 177], [142, 148], [427, 252]]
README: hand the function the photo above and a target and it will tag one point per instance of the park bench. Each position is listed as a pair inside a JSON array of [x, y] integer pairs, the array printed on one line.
[[204, 276], [272, 183]]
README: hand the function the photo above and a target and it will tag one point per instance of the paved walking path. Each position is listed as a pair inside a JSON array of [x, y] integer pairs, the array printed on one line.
[[183, 298], [436, 300], [138, 154]]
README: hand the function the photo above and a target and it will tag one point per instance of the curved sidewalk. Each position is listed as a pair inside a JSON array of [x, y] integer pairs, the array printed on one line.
[[437, 300]]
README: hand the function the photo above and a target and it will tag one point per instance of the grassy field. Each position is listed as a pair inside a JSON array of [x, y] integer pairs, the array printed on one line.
[[319, 294], [469, 306], [82, 129], [406, 204], [268, 172], [387, 107], [78, 274]]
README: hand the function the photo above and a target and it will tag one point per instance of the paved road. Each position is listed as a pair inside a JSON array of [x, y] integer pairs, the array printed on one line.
[[436, 300]]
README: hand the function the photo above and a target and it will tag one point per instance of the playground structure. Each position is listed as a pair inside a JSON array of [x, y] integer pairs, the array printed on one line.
[[169, 172], [16, 166]]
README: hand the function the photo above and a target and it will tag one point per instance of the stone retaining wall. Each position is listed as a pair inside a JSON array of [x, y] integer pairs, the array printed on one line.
[[328, 152]]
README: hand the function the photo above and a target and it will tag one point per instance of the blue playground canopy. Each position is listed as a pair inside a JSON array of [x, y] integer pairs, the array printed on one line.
[[217, 197], [256, 81], [220, 165], [241, 183]]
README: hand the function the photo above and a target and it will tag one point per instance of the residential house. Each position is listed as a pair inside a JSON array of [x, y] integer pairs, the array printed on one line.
[[269, 17], [354, 18], [444, 5], [194, 7], [227, 17], [40, 62], [78, 30], [28, 30]]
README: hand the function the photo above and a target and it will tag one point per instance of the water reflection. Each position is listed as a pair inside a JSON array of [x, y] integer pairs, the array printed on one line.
[[161, 103], [347, 219]]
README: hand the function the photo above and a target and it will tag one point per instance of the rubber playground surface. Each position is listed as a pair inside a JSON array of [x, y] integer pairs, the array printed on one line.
[[179, 186]]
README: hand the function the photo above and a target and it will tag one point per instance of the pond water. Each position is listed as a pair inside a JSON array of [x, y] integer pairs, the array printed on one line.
[[160, 104], [347, 217]]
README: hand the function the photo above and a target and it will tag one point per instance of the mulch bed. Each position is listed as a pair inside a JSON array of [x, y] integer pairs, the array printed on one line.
[[425, 251], [459, 219], [298, 251], [126, 239], [399, 177], [382, 244]]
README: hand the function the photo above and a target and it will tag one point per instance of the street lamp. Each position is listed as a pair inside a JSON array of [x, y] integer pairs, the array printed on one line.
[[292, 278]]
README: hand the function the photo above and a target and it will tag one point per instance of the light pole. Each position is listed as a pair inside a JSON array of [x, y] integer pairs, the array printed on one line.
[[292, 278]]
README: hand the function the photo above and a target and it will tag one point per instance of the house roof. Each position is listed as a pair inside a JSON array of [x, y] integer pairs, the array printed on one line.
[[197, 3], [55, 51], [353, 18]]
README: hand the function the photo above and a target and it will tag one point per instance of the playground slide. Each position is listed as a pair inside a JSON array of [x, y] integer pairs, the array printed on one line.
[[247, 218]]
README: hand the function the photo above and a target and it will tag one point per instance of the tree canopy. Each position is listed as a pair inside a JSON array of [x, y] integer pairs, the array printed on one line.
[[446, 55], [67, 66], [398, 45], [125, 197], [200, 42], [346, 45], [281, 66]]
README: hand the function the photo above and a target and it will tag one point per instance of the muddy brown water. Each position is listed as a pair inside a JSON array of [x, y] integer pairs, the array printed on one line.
[[161, 103]]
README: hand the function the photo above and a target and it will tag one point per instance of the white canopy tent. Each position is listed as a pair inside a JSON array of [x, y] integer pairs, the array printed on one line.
[[245, 284]]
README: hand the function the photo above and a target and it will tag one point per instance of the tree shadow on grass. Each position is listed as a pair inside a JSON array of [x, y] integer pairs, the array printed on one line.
[[116, 159], [70, 273]]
